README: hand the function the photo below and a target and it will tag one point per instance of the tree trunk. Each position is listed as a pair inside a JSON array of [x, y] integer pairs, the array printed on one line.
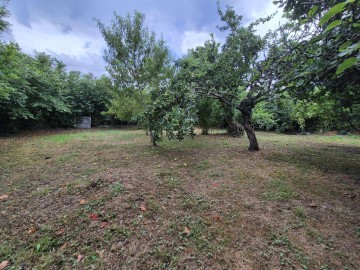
[[233, 128], [245, 107], [152, 137], [250, 134], [205, 131]]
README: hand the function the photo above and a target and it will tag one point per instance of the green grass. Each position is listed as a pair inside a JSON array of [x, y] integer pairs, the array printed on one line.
[[93, 135], [278, 190]]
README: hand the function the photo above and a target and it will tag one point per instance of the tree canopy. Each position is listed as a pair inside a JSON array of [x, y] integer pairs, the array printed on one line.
[[137, 63]]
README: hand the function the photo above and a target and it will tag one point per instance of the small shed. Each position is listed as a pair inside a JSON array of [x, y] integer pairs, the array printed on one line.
[[84, 122]]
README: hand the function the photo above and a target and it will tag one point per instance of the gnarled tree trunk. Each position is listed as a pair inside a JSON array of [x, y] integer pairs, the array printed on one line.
[[233, 128], [254, 146], [246, 107]]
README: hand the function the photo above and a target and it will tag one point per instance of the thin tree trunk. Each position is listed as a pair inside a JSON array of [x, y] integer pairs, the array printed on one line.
[[152, 137]]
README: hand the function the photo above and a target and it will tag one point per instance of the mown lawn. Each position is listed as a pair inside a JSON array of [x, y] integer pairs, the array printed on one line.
[[106, 199]]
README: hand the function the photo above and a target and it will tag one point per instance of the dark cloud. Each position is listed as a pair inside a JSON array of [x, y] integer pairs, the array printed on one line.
[[21, 13]]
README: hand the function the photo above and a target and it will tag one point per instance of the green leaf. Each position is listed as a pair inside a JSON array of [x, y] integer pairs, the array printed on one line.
[[332, 12], [332, 25], [344, 45], [350, 49], [304, 21], [312, 12], [348, 63]]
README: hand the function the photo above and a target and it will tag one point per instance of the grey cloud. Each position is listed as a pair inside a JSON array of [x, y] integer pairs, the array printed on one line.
[[21, 13], [63, 28], [93, 63], [170, 18]]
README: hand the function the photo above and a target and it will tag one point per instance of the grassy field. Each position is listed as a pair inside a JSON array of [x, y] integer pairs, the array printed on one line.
[[106, 199]]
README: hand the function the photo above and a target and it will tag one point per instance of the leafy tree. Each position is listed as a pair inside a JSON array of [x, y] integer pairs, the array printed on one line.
[[238, 76], [325, 41], [14, 86], [137, 62], [173, 110], [34, 86]]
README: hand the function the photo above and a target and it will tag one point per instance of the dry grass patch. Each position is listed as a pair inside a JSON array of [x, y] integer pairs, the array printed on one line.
[[107, 200]]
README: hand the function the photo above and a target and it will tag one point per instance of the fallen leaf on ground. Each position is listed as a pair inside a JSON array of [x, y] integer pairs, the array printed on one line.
[[142, 207], [4, 264], [93, 216], [103, 224], [186, 230], [79, 258], [63, 246], [82, 201], [4, 197], [31, 230], [60, 232]]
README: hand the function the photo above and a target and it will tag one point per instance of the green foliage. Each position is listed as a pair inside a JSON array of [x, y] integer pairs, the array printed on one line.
[[262, 118], [209, 114], [137, 62], [173, 110], [125, 108], [318, 113], [140, 66], [332, 12], [36, 92], [347, 63], [87, 95], [236, 75], [329, 52], [4, 13]]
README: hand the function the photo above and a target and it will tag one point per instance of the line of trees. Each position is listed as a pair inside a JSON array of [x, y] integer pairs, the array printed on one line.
[[301, 77]]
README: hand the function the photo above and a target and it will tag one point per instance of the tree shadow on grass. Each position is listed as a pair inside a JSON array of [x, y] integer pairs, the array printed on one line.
[[327, 158]]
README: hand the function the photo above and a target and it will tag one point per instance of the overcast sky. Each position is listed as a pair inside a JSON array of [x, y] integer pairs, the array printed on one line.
[[65, 28]]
